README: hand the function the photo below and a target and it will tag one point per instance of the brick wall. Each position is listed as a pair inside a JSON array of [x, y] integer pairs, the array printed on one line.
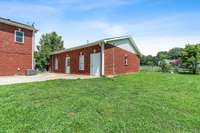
[[74, 56], [115, 61], [14, 55]]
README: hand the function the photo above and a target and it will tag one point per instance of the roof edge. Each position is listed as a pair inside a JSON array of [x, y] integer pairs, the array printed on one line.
[[17, 24], [77, 47], [134, 46], [99, 42]]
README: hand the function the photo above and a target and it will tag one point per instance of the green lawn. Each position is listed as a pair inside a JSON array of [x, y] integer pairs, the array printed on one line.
[[144, 102]]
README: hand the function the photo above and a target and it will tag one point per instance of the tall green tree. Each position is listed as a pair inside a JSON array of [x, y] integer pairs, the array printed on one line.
[[191, 57], [148, 60], [162, 55], [48, 43], [175, 53]]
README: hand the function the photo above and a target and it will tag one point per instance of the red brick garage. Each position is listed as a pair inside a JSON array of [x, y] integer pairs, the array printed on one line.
[[105, 57]]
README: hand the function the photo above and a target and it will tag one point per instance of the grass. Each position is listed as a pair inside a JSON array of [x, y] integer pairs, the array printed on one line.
[[145, 102]]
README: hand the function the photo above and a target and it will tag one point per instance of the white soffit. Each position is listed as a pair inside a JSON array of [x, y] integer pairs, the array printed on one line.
[[124, 44]]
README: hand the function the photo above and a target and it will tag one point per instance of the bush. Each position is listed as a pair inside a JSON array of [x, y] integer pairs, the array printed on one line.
[[164, 66]]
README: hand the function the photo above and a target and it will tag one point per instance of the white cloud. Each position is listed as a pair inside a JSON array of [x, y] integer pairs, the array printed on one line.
[[149, 39], [23, 8], [151, 34], [109, 29], [28, 13], [87, 5], [152, 45], [77, 5]]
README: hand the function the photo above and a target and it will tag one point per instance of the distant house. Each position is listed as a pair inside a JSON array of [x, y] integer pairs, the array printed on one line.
[[174, 62], [16, 47], [110, 56]]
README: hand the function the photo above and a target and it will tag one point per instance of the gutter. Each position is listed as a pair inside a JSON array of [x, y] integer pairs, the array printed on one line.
[[17, 24]]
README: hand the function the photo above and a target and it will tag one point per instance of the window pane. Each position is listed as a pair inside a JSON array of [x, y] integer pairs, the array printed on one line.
[[81, 62], [19, 36], [56, 63], [19, 39], [126, 60]]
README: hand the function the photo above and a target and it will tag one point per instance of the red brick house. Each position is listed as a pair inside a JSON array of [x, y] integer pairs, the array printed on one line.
[[110, 56], [16, 47]]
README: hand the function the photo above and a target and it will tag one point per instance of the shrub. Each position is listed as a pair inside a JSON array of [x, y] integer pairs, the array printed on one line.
[[164, 66]]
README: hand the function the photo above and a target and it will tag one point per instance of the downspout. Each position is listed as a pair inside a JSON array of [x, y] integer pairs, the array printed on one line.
[[33, 49], [102, 59], [113, 61], [51, 63]]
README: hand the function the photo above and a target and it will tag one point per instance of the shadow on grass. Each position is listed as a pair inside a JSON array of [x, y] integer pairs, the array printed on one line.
[[187, 73]]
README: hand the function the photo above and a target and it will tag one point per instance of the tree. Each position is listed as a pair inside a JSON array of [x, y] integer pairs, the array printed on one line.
[[49, 42], [191, 57], [175, 53], [162, 55], [148, 60]]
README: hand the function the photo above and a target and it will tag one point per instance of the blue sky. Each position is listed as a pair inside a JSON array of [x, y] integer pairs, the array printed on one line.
[[155, 25]]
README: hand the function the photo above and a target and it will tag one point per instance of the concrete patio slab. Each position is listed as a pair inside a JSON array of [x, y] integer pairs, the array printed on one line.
[[8, 80]]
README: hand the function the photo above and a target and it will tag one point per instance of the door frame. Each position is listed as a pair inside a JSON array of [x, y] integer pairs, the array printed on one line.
[[66, 64], [91, 71]]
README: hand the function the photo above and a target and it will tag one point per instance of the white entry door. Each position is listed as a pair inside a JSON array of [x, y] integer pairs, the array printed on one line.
[[95, 64], [67, 65]]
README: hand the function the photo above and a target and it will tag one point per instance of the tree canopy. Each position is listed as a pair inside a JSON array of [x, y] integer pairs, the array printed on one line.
[[175, 53], [180, 59], [48, 43], [148, 60], [191, 57], [162, 55]]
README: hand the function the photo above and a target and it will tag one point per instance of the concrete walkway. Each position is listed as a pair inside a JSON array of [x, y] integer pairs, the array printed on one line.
[[7, 80]]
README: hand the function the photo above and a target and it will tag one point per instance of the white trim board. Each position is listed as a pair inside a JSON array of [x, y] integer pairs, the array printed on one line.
[[99, 43]]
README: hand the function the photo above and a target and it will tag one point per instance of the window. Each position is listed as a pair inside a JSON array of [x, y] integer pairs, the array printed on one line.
[[81, 61], [126, 60], [19, 36], [56, 63]]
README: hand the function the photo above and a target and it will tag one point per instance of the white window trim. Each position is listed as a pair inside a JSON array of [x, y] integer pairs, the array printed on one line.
[[81, 64], [56, 63], [22, 34], [126, 60]]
